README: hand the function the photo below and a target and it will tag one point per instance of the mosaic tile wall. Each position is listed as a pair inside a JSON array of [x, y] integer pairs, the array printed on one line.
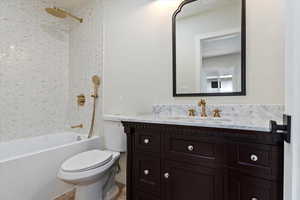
[[34, 57]]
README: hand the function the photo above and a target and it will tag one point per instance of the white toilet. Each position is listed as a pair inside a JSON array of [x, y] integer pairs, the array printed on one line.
[[93, 174]]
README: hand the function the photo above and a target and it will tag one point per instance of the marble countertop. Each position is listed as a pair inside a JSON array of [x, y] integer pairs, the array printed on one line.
[[251, 124]]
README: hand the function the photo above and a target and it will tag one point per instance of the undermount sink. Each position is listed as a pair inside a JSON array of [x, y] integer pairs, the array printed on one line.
[[200, 119]]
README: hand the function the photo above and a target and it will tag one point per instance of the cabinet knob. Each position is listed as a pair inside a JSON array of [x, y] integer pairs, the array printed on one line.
[[146, 172], [254, 198], [254, 158], [190, 148], [146, 141], [166, 175]]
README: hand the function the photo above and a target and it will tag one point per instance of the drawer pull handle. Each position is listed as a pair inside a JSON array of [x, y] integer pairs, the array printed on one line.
[[254, 198], [146, 141], [166, 175], [146, 172], [254, 158], [190, 148]]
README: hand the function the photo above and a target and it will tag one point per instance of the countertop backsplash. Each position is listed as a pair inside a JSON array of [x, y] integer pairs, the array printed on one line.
[[234, 111]]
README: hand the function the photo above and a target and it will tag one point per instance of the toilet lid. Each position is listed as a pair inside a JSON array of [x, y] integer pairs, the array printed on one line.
[[86, 161]]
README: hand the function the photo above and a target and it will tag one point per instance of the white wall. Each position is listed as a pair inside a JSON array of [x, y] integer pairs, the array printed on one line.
[[292, 151], [86, 50], [138, 56], [33, 70]]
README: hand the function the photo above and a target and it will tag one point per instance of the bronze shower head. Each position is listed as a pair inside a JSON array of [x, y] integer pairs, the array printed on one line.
[[57, 12]]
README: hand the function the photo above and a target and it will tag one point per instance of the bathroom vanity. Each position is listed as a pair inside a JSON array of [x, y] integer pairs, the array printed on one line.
[[180, 162], [188, 158]]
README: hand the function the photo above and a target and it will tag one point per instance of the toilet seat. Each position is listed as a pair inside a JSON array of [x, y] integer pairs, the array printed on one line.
[[87, 161]]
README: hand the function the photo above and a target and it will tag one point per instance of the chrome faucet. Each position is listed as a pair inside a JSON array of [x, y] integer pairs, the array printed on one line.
[[202, 105]]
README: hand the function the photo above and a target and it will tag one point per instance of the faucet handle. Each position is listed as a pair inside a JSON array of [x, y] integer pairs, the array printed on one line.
[[192, 112], [202, 102], [217, 113]]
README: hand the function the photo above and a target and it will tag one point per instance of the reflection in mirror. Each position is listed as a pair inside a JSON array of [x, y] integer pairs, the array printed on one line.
[[209, 55]]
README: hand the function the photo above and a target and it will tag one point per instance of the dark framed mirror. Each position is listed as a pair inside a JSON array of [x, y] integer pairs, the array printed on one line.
[[209, 48]]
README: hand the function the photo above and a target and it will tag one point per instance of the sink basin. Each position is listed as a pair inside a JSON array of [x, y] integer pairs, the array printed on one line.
[[199, 119]]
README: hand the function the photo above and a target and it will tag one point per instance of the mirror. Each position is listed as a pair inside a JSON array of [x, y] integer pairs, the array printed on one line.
[[209, 45]]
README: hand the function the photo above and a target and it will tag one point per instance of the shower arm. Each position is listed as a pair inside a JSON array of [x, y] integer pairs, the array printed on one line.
[[70, 15], [74, 17]]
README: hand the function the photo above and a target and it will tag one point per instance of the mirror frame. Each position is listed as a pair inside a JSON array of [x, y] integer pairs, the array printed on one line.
[[243, 55]]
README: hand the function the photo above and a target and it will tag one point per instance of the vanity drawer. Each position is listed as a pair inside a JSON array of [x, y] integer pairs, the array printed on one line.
[[147, 172], [256, 159], [243, 187], [194, 149], [147, 141]]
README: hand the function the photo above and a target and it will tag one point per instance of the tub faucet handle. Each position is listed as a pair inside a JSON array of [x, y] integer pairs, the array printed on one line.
[[77, 126]]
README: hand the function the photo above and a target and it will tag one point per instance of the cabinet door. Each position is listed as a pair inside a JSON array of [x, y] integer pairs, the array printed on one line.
[[192, 182], [242, 187], [258, 160], [147, 172]]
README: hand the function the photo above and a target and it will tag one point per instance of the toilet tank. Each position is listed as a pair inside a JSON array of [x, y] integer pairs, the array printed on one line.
[[114, 136]]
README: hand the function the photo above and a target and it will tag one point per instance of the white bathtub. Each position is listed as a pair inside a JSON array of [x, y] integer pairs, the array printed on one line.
[[28, 167]]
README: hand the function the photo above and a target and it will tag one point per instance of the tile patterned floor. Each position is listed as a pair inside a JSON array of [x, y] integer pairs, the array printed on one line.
[[122, 195], [71, 195]]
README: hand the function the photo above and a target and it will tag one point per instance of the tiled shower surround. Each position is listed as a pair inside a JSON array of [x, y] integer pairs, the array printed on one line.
[[45, 62], [34, 56], [86, 52]]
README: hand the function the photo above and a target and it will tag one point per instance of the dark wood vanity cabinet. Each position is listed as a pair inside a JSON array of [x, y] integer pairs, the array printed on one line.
[[171, 162]]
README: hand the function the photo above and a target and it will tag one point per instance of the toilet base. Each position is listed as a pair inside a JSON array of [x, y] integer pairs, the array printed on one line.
[[91, 191], [112, 193], [94, 192]]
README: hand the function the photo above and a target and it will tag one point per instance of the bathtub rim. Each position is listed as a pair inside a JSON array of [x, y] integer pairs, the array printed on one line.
[[83, 138]]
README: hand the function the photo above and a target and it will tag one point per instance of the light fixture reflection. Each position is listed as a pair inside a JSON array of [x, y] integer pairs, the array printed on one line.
[[167, 4]]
